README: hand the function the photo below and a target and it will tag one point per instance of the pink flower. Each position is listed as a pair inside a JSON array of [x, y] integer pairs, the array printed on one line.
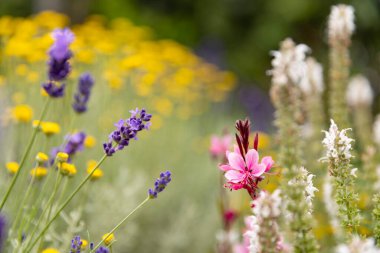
[[243, 172], [219, 145]]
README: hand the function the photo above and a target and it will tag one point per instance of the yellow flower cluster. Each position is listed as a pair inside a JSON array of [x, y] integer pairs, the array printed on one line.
[[166, 75]]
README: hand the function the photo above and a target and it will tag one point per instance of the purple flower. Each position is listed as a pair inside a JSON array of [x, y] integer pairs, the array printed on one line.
[[62, 40], [53, 89], [75, 143], [3, 231], [86, 81], [76, 244], [127, 130], [160, 184], [59, 66], [102, 250]]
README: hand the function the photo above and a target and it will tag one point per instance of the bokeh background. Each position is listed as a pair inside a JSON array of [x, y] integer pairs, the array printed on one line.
[[235, 35]]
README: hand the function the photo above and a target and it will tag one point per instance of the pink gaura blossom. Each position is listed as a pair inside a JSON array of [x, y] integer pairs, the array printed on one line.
[[244, 171], [219, 145]]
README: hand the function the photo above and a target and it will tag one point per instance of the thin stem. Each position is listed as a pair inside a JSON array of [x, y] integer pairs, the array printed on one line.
[[67, 201], [21, 209], [120, 223], [26, 154]]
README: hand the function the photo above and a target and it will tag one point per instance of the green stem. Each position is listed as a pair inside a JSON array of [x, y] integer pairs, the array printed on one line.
[[120, 223], [49, 204], [26, 154], [67, 201], [21, 209]]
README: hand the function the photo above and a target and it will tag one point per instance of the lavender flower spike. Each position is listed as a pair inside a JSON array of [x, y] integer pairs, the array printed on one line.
[[127, 130], [86, 81], [59, 66], [102, 250], [160, 184], [76, 245], [75, 143]]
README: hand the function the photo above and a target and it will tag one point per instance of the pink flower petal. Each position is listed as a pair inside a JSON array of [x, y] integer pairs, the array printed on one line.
[[268, 162], [258, 170], [236, 149], [225, 167], [251, 158], [234, 176], [236, 161]]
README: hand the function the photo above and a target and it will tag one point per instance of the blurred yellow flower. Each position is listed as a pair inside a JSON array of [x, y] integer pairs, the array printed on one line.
[[22, 113], [67, 169], [84, 244], [98, 173], [18, 97], [2, 80], [62, 157], [39, 172], [163, 106], [50, 250], [50, 128], [12, 167], [21, 69], [108, 238], [264, 140], [42, 157], [90, 141]]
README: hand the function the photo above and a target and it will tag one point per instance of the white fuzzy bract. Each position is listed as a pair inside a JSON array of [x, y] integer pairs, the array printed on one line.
[[305, 179], [289, 64], [266, 206], [337, 143], [341, 22], [359, 91], [358, 245], [314, 82]]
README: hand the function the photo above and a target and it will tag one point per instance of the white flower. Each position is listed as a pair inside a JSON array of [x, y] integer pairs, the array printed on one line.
[[337, 143], [266, 206], [341, 22], [376, 130], [358, 245], [359, 91], [314, 80], [289, 64], [305, 179]]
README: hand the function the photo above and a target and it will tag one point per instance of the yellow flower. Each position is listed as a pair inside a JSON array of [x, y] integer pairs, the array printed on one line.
[[98, 173], [2, 80], [264, 140], [163, 106], [18, 97], [84, 244], [42, 157], [67, 169], [50, 128], [90, 141], [108, 238], [39, 172], [62, 157], [50, 250], [43, 92], [12, 167], [21, 70], [22, 113], [35, 123]]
